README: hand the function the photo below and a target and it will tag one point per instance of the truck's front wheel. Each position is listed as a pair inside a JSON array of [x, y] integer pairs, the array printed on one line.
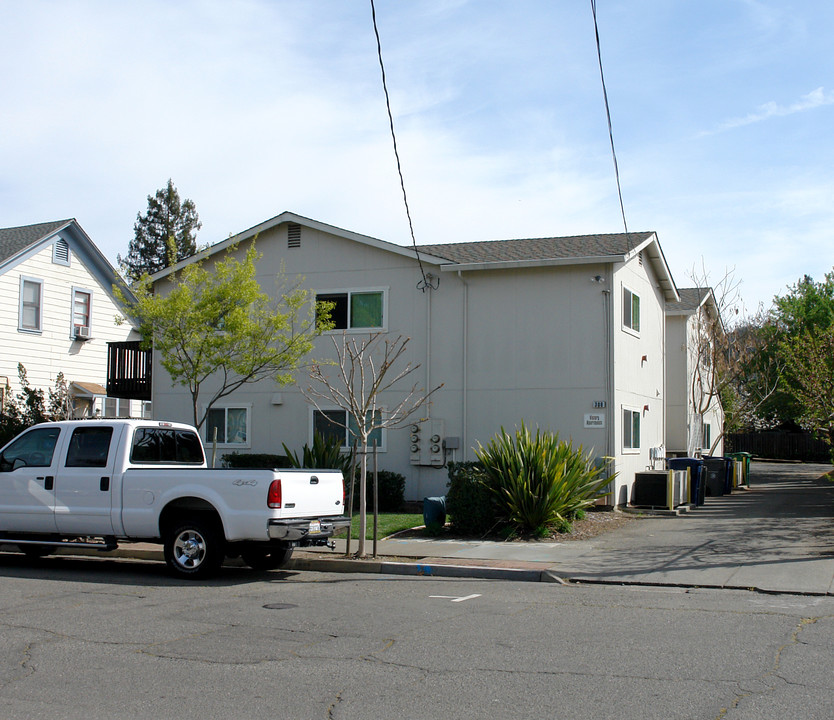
[[194, 549]]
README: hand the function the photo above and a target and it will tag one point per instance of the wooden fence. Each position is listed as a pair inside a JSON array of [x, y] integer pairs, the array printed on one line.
[[780, 446]]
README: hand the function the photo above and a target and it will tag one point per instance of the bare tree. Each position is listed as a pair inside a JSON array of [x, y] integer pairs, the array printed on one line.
[[727, 353], [364, 369]]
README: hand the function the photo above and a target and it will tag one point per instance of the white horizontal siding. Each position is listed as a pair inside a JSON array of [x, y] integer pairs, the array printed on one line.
[[53, 350]]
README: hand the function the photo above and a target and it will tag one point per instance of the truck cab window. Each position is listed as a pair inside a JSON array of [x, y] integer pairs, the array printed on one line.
[[34, 449], [89, 447]]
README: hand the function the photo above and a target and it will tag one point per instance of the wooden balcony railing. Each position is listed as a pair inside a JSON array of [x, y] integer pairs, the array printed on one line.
[[128, 371]]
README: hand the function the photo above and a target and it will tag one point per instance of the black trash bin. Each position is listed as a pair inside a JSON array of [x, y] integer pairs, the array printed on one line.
[[719, 475], [696, 475]]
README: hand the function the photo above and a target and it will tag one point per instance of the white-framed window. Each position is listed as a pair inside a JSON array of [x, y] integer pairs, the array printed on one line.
[[336, 423], [30, 317], [631, 310], [82, 307], [232, 424], [359, 309], [61, 252], [706, 435], [631, 430]]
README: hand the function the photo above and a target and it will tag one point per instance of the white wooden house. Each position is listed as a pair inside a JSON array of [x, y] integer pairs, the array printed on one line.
[[566, 334], [58, 313]]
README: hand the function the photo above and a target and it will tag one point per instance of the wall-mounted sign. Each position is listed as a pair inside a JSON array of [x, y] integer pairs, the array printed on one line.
[[595, 420]]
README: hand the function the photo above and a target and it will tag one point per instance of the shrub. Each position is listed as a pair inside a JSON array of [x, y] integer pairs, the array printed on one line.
[[469, 502], [538, 480], [255, 460], [325, 454], [391, 491]]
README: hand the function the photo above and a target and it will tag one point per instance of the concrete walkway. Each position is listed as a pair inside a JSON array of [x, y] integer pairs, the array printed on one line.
[[778, 536]]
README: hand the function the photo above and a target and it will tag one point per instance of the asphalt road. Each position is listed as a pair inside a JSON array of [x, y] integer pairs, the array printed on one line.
[[91, 638]]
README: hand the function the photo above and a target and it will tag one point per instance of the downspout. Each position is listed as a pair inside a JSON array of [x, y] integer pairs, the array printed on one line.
[[465, 374]]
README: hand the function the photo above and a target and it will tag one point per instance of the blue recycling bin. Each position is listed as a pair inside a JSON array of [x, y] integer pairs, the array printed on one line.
[[434, 511], [696, 476]]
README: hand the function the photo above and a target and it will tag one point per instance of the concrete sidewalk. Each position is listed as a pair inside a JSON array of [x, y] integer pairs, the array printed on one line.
[[778, 536]]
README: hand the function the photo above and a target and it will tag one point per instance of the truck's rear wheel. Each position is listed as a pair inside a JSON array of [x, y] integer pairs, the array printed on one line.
[[194, 548], [266, 559]]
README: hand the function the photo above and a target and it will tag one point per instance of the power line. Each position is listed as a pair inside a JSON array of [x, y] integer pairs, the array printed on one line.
[[425, 283], [610, 129]]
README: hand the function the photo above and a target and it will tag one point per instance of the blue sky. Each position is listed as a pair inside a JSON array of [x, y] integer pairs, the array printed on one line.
[[722, 113]]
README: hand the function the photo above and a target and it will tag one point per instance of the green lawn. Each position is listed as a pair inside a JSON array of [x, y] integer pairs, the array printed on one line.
[[389, 523]]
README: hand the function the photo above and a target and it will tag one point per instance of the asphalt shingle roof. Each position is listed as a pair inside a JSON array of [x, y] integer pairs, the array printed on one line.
[[691, 299], [15, 239], [576, 246]]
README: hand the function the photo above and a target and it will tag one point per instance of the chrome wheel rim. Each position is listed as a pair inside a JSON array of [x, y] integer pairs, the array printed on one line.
[[189, 549]]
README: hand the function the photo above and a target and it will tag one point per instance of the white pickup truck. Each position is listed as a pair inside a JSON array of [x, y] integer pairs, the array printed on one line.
[[95, 483]]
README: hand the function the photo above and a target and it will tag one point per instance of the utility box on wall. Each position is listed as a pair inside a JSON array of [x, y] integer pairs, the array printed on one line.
[[426, 443]]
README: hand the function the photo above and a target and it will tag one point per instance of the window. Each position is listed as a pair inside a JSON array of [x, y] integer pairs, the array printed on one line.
[[331, 423], [631, 429], [631, 310], [231, 424], [34, 449], [355, 309], [161, 445], [89, 447], [31, 299], [706, 436], [81, 301]]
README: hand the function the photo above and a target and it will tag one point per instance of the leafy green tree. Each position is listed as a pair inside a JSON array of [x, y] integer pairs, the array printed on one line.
[[163, 236], [31, 406], [217, 330], [810, 362]]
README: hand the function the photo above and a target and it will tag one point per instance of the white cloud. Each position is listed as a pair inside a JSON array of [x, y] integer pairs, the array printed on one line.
[[811, 101]]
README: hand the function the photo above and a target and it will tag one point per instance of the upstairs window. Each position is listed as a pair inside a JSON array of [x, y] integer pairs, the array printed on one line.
[[31, 301], [631, 310], [81, 305], [355, 309]]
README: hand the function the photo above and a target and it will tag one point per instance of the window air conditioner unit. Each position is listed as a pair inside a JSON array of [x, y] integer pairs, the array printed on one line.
[[82, 332]]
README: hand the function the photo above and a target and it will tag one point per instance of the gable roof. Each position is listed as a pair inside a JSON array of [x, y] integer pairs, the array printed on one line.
[[484, 255], [613, 245], [16, 239], [690, 300], [18, 244]]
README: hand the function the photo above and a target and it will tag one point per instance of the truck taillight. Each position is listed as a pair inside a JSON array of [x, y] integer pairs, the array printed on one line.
[[273, 498]]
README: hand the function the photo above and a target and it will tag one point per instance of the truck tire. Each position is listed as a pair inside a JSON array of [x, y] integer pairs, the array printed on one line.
[[194, 548], [263, 559], [35, 552]]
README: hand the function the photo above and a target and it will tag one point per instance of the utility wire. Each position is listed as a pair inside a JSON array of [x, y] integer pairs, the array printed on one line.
[[610, 129], [425, 284]]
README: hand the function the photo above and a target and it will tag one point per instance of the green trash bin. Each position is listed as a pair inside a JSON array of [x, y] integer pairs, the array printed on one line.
[[745, 466]]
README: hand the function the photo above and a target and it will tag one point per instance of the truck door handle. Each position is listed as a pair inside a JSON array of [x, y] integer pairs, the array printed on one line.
[[314, 480], [48, 482], [104, 486]]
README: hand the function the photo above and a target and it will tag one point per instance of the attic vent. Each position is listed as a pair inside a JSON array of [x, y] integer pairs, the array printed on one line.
[[294, 235], [61, 252]]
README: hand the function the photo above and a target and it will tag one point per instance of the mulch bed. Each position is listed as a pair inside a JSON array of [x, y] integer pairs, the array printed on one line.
[[595, 522]]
